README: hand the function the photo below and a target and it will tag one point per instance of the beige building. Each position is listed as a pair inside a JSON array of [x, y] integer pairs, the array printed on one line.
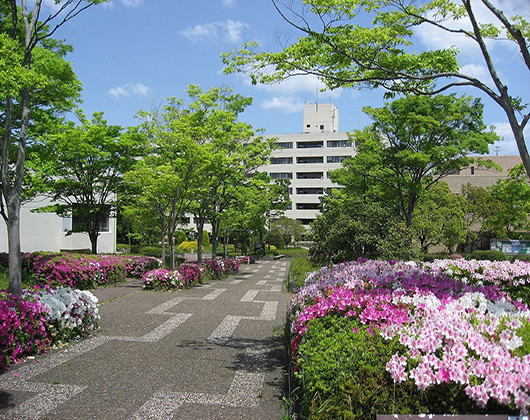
[[307, 158], [481, 176]]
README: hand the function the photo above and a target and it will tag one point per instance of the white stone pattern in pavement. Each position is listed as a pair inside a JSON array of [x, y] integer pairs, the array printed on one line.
[[243, 392]]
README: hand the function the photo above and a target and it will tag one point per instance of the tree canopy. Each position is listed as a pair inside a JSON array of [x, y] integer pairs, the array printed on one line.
[[37, 84], [371, 44], [414, 142], [81, 167]]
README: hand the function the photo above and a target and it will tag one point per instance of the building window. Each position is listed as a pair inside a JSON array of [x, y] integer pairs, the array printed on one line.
[[309, 175], [309, 144], [307, 206], [322, 127], [306, 222], [310, 191], [310, 159], [336, 159], [81, 222], [290, 191], [184, 220], [339, 143], [281, 175], [284, 145], [281, 160]]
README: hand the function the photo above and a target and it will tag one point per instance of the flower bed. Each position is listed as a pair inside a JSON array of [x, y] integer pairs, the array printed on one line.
[[462, 335], [85, 271], [189, 274], [30, 324]]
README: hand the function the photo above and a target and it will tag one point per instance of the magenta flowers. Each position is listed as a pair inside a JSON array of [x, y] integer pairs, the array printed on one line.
[[455, 319]]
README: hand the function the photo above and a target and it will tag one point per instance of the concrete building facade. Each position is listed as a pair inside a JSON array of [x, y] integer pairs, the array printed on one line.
[[47, 232], [307, 158]]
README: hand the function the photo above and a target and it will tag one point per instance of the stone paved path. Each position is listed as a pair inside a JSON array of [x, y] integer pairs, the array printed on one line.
[[210, 352]]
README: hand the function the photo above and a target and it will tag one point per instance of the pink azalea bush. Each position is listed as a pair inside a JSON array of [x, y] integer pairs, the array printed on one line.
[[85, 271], [31, 323], [452, 329], [189, 274], [22, 328]]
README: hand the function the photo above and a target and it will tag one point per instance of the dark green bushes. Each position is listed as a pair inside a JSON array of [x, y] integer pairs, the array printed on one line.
[[342, 375]]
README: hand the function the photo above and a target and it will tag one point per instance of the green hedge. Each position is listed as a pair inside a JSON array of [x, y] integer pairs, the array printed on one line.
[[342, 375], [490, 255]]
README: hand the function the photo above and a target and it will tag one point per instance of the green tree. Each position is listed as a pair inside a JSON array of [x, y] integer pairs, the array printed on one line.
[[290, 229], [480, 205], [369, 44], [233, 153], [439, 218], [413, 143], [37, 84], [513, 197], [165, 181], [81, 168], [350, 227]]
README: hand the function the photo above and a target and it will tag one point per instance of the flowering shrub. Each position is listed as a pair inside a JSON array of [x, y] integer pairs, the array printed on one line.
[[22, 328], [514, 277], [243, 259], [189, 274], [163, 279], [85, 271], [32, 322], [137, 265], [70, 312], [452, 330]]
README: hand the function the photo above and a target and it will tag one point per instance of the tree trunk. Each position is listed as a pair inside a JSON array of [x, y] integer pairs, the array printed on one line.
[[200, 228], [13, 238], [94, 241], [215, 237], [171, 249]]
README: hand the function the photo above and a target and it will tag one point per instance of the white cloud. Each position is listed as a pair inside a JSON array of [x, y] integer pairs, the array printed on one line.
[[507, 145], [285, 104], [434, 38], [228, 3], [230, 31], [129, 89], [308, 85], [132, 3], [233, 30]]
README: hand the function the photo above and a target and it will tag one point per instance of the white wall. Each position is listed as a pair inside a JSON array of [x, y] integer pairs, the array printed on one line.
[[45, 232]]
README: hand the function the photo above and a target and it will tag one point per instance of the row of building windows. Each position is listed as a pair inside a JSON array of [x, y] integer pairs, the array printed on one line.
[[307, 159], [299, 175], [313, 144]]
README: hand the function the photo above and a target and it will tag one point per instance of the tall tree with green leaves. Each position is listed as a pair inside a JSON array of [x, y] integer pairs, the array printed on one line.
[[81, 170], [37, 84], [439, 219], [413, 143], [233, 151], [166, 180], [512, 195], [370, 44]]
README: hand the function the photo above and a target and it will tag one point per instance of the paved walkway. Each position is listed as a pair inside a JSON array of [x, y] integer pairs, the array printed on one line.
[[209, 352]]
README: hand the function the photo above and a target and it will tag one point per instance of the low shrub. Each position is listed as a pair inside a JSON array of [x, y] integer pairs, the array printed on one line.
[[70, 312], [188, 246], [31, 323], [85, 271], [342, 374], [490, 255], [163, 279], [299, 269], [522, 257], [189, 274], [22, 328], [459, 341]]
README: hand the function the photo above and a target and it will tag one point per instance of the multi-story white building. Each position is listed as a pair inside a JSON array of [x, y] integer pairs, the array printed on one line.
[[307, 158]]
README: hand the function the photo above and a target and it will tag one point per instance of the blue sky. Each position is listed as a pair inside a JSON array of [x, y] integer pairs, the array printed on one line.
[[130, 54]]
